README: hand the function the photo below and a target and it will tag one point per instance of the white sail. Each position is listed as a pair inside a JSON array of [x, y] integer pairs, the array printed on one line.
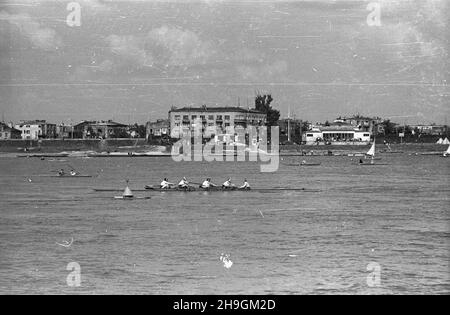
[[127, 192], [446, 141], [371, 152], [440, 141], [447, 153]]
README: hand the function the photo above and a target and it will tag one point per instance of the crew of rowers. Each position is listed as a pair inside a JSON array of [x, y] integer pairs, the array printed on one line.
[[184, 184], [61, 172]]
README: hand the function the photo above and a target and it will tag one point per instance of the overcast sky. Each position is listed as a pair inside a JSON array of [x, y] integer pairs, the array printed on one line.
[[132, 60]]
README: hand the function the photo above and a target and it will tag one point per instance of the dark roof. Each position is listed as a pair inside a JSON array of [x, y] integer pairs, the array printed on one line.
[[216, 109], [6, 127], [100, 123]]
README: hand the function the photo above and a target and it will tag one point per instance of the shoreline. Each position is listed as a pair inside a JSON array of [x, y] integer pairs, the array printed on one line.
[[132, 148]]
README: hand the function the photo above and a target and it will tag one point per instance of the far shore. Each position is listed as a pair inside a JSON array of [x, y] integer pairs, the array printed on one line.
[[54, 146]]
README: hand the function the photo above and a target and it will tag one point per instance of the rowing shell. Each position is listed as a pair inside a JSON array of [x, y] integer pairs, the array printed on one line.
[[370, 164], [130, 198], [303, 164], [211, 190], [67, 176]]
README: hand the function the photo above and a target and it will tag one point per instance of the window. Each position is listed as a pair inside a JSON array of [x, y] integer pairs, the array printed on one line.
[[219, 117], [366, 135], [310, 135], [202, 117], [211, 117], [227, 124], [227, 117], [177, 117], [194, 117], [185, 117]]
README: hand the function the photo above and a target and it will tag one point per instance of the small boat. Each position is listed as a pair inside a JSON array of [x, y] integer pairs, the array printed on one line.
[[131, 198], [234, 189], [216, 189], [67, 176], [309, 164], [447, 153], [128, 194], [370, 155]]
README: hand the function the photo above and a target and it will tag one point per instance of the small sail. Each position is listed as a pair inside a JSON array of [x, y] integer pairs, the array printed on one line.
[[446, 141], [447, 153], [127, 192], [440, 141], [371, 152]]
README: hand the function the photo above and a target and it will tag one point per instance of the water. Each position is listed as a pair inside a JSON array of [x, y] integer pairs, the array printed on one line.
[[283, 242]]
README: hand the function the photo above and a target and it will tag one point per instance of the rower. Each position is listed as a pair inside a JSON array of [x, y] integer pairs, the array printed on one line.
[[183, 183], [207, 184], [165, 184], [246, 185], [61, 172], [227, 184]]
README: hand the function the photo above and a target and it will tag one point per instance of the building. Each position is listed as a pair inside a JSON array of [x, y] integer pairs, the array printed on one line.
[[213, 120], [434, 130], [338, 134], [290, 130], [367, 124], [64, 131], [158, 128], [8, 132], [100, 130], [36, 129]]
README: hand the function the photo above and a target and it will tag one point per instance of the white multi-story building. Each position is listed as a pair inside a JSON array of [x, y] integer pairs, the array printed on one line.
[[337, 134], [213, 120], [36, 129]]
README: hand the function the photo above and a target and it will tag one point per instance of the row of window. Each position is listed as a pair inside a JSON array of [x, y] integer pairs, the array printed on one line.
[[338, 134], [203, 117], [211, 124]]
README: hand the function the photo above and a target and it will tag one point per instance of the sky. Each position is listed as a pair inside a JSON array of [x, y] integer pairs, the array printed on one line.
[[130, 61]]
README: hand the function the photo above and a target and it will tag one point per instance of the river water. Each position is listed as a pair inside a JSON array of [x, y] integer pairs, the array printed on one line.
[[393, 216]]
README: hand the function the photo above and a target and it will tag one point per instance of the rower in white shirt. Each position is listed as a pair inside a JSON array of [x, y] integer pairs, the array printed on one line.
[[183, 183], [227, 184], [207, 184], [246, 185], [165, 184]]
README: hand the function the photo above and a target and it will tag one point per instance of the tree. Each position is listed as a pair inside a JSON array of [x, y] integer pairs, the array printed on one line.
[[262, 104], [389, 127]]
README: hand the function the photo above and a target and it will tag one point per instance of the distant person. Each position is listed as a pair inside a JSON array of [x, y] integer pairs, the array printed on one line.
[[246, 185], [61, 172], [73, 173], [183, 183], [361, 161], [207, 184], [165, 184], [228, 184]]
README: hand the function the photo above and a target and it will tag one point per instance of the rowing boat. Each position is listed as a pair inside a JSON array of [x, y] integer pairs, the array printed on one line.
[[303, 164], [67, 176], [217, 189], [131, 198]]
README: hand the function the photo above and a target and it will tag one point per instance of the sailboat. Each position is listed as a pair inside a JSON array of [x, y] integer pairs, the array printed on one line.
[[446, 141], [371, 153], [447, 153]]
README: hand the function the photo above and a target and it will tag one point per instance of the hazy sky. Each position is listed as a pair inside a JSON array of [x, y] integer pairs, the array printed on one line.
[[132, 60]]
